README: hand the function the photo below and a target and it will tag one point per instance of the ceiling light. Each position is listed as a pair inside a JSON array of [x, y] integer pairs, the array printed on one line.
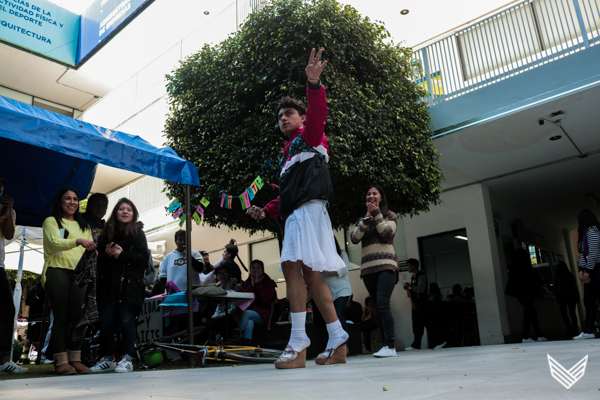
[[206, 13], [553, 138], [461, 237], [404, 12]]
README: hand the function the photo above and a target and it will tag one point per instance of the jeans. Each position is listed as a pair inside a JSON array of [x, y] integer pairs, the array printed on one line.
[[380, 286], [67, 300], [340, 305], [114, 313], [591, 294], [247, 321], [530, 316], [7, 314]]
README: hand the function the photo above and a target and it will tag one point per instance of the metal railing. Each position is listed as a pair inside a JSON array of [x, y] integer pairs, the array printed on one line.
[[517, 39]]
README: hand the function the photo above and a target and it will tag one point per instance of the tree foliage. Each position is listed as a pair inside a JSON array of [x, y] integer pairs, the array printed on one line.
[[222, 102]]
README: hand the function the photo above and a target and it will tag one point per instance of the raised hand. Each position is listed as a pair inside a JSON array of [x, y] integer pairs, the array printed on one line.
[[315, 66]]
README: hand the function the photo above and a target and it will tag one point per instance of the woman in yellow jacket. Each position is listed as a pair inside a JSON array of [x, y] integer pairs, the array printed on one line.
[[66, 238]]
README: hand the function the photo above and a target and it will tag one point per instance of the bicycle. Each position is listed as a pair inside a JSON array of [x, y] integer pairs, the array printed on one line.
[[203, 352]]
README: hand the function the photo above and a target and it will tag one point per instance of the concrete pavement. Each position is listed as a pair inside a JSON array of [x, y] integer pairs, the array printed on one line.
[[486, 372]]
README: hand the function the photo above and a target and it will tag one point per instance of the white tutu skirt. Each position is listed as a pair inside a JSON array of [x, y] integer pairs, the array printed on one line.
[[309, 238]]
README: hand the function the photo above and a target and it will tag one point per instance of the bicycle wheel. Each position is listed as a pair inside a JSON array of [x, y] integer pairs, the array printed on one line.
[[256, 355]]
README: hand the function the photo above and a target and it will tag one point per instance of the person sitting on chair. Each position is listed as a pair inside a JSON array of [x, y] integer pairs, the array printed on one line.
[[259, 312]]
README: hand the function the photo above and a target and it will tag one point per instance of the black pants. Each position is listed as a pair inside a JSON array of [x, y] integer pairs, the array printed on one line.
[[591, 295], [380, 286], [366, 327], [530, 316], [422, 318], [67, 301], [567, 307], [7, 314]]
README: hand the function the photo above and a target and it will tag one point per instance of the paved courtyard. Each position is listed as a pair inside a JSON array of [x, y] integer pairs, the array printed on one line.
[[486, 372]]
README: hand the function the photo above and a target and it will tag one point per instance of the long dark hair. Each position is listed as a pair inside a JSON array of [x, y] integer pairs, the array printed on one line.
[[562, 269], [586, 219], [131, 229], [521, 261], [57, 210], [383, 203]]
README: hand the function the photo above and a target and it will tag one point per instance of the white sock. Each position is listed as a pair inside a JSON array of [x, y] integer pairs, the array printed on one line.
[[299, 340], [337, 335]]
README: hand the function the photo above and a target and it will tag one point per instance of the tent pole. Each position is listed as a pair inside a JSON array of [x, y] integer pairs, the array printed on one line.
[[18, 289], [190, 270]]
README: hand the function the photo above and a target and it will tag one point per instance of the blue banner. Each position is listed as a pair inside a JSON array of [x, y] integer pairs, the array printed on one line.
[[100, 19], [41, 27]]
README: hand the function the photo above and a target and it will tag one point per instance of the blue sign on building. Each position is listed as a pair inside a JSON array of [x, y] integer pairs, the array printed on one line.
[[100, 19], [41, 27]]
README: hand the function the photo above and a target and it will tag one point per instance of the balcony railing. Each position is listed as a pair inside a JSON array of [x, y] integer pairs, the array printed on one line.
[[517, 39]]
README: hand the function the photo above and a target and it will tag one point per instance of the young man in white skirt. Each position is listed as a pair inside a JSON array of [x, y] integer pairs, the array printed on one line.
[[304, 193]]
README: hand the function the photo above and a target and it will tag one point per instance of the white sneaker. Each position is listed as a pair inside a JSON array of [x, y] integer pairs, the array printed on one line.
[[542, 339], [440, 346], [530, 340], [105, 364], [584, 335], [12, 368], [386, 352], [46, 361], [125, 365], [409, 348]]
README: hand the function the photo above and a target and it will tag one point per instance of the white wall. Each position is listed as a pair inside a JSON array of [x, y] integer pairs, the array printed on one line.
[[470, 208]]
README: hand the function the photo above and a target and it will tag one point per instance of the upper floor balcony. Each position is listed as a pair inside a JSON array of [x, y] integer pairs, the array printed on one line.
[[524, 54]]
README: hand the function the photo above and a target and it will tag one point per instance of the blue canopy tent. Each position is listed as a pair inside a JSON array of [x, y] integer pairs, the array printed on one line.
[[40, 151]]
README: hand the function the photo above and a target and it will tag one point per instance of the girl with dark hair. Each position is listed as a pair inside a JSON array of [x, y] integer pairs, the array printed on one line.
[[566, 297], [122, 261], [588, 245], [379, 262], [525, 283], [66, 238]]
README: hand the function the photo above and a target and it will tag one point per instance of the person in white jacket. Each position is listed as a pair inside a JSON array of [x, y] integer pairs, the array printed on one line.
[[174, 266]]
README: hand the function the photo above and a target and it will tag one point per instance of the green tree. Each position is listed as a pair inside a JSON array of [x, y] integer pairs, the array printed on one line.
[[222, 102]]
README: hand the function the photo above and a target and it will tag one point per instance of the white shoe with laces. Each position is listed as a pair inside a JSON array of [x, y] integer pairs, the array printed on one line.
[[584, 335], [105, 364], [440, 346], [386, 352], [125, 365]]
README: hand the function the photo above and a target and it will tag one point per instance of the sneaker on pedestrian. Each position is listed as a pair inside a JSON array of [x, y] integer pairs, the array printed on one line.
[[125, 365], [385, 352], [12, 368], [529, 340], [584, 335], [105, 364], [440, 346], [46, 361], [542, 339], [410, 348]]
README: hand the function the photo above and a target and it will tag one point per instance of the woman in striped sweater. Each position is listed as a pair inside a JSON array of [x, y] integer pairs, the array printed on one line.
[[588, 245], [379, 261]]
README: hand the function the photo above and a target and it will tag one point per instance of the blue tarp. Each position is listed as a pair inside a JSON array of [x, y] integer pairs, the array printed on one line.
[[40, 151]]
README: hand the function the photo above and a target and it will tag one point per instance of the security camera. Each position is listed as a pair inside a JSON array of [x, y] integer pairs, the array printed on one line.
[[541, 122]]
